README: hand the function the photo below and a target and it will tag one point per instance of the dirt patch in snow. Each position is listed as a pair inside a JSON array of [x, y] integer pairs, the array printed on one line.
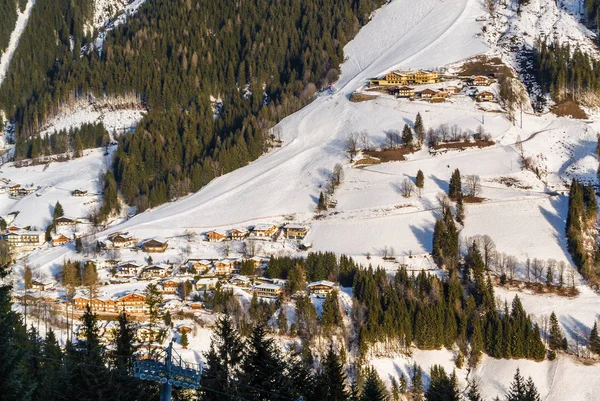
[[463, 145], [390, 155], [569, 108], [360, 97], [482, 65]]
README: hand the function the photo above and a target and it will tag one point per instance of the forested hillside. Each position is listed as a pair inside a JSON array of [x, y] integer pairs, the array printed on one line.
[[264, 59], [8, 18]]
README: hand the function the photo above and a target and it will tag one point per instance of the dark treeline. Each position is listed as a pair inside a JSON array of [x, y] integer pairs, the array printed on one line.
[[264, 59], [581, 217], [564, 72], [592, 13], [36, 368], [8, 19], [88, 136]]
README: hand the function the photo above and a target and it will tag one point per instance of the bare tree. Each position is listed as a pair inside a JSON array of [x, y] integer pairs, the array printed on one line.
[[561, 273], [338, 174], [455, 132], [488, 247], [352, 145], [407, 187], [443, 132], [511, 266], [365, 141], [432, 137], [472, 185]]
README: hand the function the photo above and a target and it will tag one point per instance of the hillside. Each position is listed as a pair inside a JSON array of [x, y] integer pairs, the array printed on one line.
[[523, 210]]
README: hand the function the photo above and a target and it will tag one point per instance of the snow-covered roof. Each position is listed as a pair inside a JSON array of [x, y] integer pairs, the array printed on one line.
[[322, 282], [207, 280], [263, 227], [268, 286]]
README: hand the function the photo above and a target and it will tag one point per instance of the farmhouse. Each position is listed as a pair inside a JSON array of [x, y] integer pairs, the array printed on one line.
[[13, 190], [405, 92], [480, 81], [451, 90], [427, 94], [320, 287], [267, 290], [238, 234], [485, 96], [41, 285], [206, 283], [226, 267], [170, 285], [155, 271], [120, 240], [264, 231], [295, 231], [199, 265], [60, 240], [79, 192], [216, 236], [240, 281], [438, 97], [156, 244], [64, 221]]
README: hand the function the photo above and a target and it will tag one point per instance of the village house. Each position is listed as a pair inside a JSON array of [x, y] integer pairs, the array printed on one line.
[[170, 285], [295, 231], [480, 81], [130, 268], [226, 267], [199, 265], [451, 90], [155, 271], [13, 190], [145, 333], [240, 281], [120, 240], [264, 231], [320, 287], [64, 221], [196, 305], [206, 283], [268, 290], [41, 285], [24, 241], [60, 240], [427, 94], [438, 97], [405, 92], [79, 192], [485, 96], [155, 245], [216, 236], [134, 303], [22, 192], [238, 234]]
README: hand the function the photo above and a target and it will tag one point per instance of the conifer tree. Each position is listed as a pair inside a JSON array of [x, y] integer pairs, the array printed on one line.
[[441, 387], [455, 188], [531, 392], [518, 388], [27, 277], [282, 321], [321, 206], [373, 389], [124, 339], [331, 316], [556, 340], [420, 180], [595, 339], [460, 209], [184, 339], [223, 361], [58, 210], [11, 386], [473, 394], [331, 380], [416, 382], [407, 136], [419, 128]]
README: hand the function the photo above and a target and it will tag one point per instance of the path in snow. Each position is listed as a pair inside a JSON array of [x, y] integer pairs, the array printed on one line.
[[22, 19]]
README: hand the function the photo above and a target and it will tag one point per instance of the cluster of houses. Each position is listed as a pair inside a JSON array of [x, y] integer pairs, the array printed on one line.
[[15, 190], [120, 240], [259, 231], [399, 84], [23, 240]]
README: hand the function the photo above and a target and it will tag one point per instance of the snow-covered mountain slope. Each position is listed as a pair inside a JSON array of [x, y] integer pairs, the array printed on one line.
[[14, 38]]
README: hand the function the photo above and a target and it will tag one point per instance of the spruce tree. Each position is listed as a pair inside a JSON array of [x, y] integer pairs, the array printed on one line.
[[223, 361], [321, 206], [373, 389], [441, 387], [455, 187], [420, 181], [407, 136], [184, 339], [595, 340], [11, 386], [518, 388], [531, 392], [58, 210], [331, 380], [556, 340], [419, 128], [473, 394], [460, 209]]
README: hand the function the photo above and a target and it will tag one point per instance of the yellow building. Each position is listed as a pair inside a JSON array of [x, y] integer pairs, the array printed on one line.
[[408, 77]]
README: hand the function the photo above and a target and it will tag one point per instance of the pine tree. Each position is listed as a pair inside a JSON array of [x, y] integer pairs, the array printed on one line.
[[556, 340], [321, 206], [419, 128], [416, 382], [460, 209], [27, 277], [517, 389], [11, 386], [184, 339], [549, 276], [58, 210], [223, 361], [455, 187], [595, 340], [331, 316], [123, 342], [473, 394], [531, 392], [441, 387], [407, 136], [420, 181], [331, 381], [282, 320], [373, 389]]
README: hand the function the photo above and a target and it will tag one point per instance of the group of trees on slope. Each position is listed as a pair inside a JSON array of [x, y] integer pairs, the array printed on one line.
[[8, 20], [263, 59]]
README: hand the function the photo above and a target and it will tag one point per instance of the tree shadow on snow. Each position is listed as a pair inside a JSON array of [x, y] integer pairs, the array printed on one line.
[[443, 185], [557, 219], [424, 235]]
